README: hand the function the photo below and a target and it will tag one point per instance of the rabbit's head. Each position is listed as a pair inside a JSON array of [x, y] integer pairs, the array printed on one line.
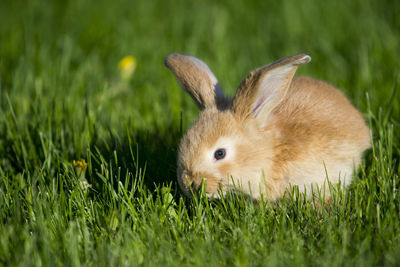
[[231, 144]]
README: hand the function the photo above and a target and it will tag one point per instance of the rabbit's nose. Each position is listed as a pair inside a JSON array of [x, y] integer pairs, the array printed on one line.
[[190, 182], [195, 184]]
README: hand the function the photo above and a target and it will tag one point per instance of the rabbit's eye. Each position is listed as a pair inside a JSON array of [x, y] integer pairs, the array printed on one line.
[[219, 154]]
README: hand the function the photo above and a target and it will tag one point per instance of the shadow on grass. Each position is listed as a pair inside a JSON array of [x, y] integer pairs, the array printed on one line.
[[153, 153]]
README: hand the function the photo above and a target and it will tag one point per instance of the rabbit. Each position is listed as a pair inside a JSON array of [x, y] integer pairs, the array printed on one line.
[[276, 132]]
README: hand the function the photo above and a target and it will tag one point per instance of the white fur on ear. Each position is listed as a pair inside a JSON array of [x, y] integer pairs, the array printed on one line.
[[196, 78], [303, 60], [203, 66], [274, 82]]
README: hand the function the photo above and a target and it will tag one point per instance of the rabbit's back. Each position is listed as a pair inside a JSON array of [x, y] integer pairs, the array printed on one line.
[[318, 130]]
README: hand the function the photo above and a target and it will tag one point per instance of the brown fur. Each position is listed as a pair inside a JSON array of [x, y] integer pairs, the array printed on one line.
[[199, 86], [309, 127]]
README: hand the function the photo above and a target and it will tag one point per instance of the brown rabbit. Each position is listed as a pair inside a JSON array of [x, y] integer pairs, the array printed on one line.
[[277, 131]]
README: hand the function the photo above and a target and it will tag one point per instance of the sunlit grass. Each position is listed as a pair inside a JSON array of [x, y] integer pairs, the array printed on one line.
[[88, 133]]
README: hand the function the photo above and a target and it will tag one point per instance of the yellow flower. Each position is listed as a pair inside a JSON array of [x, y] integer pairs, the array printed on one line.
[[80, 169], [80, 164], [127, 67]]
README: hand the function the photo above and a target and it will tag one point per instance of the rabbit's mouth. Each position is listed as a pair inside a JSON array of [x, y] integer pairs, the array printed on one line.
[[193, 184], [214, 188]]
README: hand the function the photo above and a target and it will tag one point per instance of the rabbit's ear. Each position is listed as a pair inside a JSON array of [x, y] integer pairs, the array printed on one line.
[[196, 78], [264, 88]]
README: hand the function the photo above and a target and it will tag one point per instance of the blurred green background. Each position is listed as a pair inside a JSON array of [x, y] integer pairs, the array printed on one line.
[[62, 98]]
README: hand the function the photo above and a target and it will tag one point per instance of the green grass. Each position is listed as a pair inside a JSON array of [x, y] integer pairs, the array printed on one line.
[[62, 99]]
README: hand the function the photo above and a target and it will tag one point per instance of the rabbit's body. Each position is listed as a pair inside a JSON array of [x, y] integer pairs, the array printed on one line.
[[269, 138], [319, 134]]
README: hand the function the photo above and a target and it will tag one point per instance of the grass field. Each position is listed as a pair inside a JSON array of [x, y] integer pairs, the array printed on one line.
[[63, 98]]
